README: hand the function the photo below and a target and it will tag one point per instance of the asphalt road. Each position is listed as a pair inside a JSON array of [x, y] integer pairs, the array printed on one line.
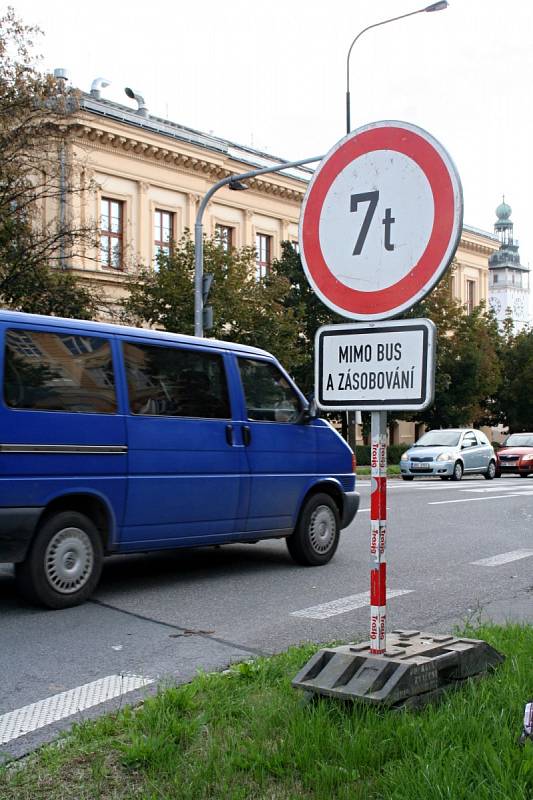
[[163, 617]]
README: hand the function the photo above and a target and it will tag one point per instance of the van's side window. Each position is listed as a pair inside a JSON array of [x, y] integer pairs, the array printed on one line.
[[176, 382], [58, 372], [269, 396]]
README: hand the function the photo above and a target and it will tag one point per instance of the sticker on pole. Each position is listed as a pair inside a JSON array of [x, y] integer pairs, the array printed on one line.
[[375, 366], [381, 220]]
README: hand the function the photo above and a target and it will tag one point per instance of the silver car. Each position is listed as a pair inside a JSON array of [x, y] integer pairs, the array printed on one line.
[[449, 453]]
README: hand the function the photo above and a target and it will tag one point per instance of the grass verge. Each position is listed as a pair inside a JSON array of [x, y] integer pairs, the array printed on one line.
[[246, 734], [392, 469]]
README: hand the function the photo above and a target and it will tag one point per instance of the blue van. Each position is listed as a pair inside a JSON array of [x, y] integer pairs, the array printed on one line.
[[124, 440]]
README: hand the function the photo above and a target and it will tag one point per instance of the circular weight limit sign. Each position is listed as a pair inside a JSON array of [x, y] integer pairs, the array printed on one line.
[[381, 220]]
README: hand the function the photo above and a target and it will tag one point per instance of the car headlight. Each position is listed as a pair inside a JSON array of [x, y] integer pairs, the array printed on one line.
[[528, 457], [404, 457], [445, 457]]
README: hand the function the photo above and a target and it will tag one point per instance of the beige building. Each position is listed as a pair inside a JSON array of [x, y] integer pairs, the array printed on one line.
[[144, 177], [470, 281], [143, 180]]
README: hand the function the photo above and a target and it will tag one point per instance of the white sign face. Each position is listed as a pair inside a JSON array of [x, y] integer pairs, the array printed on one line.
[[376, 366], [391, 246], [381, 220]]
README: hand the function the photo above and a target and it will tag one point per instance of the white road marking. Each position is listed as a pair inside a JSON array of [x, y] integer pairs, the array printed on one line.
[[503, 558], [442, 487], [343, 604], [485, 497], [469, 487], [409, 487], [37, 715], [392, 483], [436, 487], [512, 488]]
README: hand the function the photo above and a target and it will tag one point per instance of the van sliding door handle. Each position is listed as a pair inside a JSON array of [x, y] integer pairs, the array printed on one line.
[[229, 435], [246, 435]]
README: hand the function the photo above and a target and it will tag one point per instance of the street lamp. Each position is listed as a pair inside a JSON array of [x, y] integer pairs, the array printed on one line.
[[234, 182], [236, 185], [439, 6]]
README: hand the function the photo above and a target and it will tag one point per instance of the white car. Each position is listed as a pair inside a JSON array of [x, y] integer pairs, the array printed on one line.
[[449, 453]]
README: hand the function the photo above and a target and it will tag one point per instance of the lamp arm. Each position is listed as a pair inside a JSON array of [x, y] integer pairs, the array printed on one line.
[[198, 229], [369, 27]]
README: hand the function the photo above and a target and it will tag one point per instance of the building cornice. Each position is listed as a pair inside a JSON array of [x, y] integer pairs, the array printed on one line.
[[476, 246], [137, 147]]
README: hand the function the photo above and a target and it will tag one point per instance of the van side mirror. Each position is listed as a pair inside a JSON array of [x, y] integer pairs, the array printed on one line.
[[311, 412]]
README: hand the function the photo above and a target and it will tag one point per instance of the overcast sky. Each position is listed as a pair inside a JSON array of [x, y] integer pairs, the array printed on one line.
[[272, 75]]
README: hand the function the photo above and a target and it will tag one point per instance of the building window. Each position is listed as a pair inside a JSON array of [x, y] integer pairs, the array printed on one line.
[[111, 233], [495, 278], [163, 230], [224, 236], [470, 296], [263, 246], [295, 246]]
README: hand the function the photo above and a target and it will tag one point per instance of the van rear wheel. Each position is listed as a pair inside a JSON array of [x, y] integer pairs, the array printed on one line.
[[64, 563], [316, 536]]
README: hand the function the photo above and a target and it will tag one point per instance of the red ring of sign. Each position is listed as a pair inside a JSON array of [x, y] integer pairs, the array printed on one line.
[[431, 163]]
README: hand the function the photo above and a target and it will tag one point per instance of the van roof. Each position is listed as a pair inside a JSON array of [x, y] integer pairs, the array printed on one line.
[[19, 317]]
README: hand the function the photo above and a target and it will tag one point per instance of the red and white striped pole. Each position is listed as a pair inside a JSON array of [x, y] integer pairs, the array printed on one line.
[[378, 531]]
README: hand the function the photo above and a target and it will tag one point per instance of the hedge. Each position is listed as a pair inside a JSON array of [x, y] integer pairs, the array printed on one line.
[[394, 451]]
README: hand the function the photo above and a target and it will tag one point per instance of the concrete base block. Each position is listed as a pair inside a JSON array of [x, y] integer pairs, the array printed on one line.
[[417, 668]]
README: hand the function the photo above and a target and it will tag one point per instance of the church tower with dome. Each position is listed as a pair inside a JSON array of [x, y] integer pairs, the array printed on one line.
[[508, 279]]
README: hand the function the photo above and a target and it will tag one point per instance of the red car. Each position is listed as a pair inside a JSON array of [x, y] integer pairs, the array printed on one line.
[[516, 455]]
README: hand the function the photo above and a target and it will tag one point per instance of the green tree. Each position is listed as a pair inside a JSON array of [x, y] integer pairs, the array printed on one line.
[[309, 311], [441, 308], [475, 370], [36, 172], [514, 400], [244, 309], [468, 373]]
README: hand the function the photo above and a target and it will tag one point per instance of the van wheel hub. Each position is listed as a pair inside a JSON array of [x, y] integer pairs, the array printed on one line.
[[69, 560], [322, 528]]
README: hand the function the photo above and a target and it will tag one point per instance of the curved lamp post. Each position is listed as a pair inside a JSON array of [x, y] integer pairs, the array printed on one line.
[[233, 182], [439, 6]]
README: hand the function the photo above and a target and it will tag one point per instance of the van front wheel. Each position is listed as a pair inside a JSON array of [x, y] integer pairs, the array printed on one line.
[[64, 563], [316, 535]]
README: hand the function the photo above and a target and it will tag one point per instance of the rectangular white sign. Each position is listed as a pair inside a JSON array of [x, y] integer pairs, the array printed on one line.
[[370, 366]]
